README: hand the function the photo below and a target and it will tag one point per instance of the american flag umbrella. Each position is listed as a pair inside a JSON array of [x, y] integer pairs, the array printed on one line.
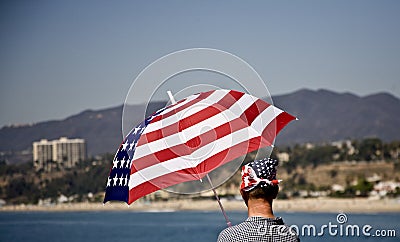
[[188, 139]]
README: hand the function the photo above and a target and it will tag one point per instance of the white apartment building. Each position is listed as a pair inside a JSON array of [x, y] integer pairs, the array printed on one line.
[[64, 153], [42, 154]]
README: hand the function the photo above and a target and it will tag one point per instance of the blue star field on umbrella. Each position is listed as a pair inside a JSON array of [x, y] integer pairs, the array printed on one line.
[[118, 181]]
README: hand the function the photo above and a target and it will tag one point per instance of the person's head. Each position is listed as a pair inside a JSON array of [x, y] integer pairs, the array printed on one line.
[[259, 181], [267, 194]]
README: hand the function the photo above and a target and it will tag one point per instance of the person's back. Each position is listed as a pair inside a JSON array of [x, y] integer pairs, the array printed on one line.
[[259, 188]]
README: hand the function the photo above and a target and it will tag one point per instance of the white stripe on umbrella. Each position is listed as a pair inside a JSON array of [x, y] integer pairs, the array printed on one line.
[[183, 149], [193, 131], [265, 118], [184, 162], [213, 98]]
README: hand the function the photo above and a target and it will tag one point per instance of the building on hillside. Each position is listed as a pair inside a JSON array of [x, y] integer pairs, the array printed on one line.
[[283, 156], [345, 145], [383, 188], [69, 151], [62, 153], [42, 154]]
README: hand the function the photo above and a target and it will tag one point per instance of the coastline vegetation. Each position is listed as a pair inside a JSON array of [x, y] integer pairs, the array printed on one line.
[[310, 170]]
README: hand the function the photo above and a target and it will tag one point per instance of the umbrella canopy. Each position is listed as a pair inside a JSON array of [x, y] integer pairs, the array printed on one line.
[[187, 140]]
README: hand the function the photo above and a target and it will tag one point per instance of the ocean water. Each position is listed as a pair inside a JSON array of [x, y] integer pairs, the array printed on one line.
[[173, 226]]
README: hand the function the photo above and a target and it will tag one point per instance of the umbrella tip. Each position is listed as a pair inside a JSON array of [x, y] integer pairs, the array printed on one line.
[[171, 97], [297, 119]]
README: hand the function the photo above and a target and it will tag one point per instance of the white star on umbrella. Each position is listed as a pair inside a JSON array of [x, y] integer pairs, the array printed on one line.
[[126, 180], [115, 179], [115, 164], [124, 145], [122, 162], [128, 164], [132, 145], [136, 130], [121, 180]]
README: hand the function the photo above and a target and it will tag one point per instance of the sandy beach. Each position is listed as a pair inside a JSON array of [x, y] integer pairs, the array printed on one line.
[[356, 205]]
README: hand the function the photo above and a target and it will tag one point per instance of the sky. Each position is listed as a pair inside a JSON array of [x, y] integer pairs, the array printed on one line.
[[59, 58]]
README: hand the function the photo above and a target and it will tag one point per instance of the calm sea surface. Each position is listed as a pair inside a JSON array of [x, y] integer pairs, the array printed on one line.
[[169, 226]]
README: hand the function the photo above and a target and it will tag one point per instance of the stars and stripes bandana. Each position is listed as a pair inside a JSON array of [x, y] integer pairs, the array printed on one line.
[[259, 172]]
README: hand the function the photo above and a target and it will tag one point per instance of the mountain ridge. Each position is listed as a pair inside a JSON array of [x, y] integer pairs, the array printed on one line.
[[323, 115], [340, 116]]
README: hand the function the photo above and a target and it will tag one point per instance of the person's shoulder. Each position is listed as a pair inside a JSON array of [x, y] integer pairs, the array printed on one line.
[[228, 231], [224, 235], [228, 234]]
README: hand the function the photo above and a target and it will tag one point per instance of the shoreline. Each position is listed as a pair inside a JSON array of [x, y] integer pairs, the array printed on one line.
[[329, 205]]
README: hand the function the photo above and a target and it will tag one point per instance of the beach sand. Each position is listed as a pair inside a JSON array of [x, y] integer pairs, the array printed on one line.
[[354, 205]]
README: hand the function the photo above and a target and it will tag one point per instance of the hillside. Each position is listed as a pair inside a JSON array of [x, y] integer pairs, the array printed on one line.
[[328, 116], [323, 116]]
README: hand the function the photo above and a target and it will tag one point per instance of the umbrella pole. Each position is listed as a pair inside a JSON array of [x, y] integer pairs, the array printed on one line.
[[172, 99], [219, 202]]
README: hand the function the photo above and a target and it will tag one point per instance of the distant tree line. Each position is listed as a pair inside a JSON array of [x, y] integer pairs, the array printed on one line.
[[22, 184], [366, 150]]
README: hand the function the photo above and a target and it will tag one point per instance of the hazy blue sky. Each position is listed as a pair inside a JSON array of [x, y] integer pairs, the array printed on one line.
[[61, 57]]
